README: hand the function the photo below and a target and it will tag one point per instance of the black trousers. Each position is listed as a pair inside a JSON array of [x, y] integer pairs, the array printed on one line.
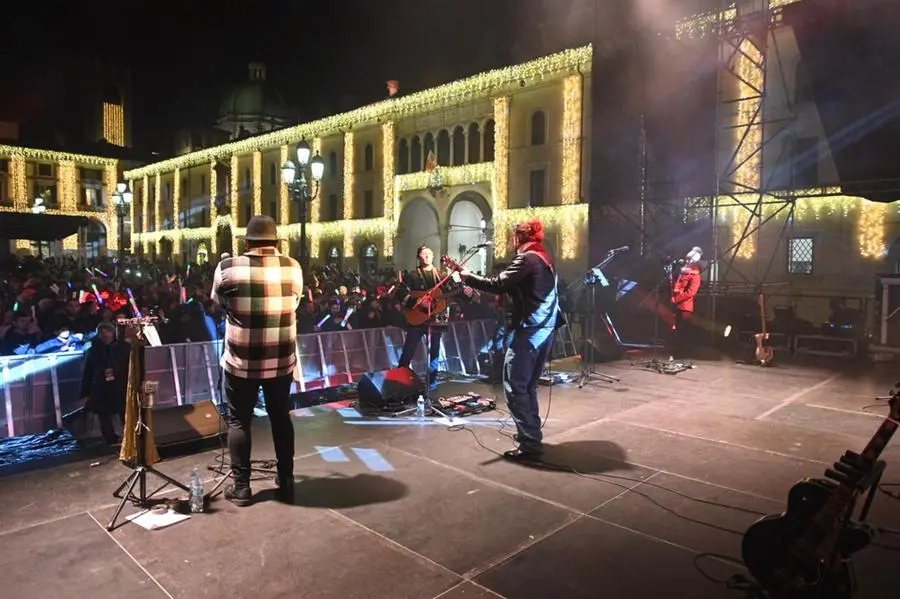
[[683, 340], [241, 395], [413, 336], [106, 425], [522, 370]]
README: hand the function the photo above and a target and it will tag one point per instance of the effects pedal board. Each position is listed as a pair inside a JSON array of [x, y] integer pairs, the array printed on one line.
[[465, 405]]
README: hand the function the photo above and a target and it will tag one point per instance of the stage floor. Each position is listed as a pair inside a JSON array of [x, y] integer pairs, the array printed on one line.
[[669, 468]]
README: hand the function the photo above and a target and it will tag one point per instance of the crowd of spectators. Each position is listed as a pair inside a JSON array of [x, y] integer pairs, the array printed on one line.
[[56, 304]]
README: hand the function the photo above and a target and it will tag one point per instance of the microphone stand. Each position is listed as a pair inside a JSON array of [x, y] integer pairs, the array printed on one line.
[[429, 405], [589, 280]]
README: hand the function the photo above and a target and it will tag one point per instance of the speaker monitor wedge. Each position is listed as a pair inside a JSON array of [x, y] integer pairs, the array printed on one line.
[[186, 424], [380, 389]]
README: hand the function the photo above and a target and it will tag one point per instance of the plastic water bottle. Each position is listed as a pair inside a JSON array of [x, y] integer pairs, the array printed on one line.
[[196, 492], [420, 408]]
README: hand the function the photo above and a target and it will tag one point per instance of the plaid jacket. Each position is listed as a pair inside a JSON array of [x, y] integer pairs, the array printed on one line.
[[260, 291]]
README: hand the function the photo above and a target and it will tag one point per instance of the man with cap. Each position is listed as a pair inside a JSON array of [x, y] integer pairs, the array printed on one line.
[[530, 284], [259, 292]]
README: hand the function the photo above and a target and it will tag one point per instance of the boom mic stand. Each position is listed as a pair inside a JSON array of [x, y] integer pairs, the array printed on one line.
[[145, 397]]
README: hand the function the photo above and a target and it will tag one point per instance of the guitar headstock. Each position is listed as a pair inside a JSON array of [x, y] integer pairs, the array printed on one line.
[[450, 264]]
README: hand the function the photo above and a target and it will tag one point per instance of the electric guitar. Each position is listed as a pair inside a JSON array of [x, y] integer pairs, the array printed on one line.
[[764, 352], [805, 552]]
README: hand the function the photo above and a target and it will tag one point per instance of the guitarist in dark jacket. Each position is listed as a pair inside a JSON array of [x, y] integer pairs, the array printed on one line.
[[423, 278], [530, 283]]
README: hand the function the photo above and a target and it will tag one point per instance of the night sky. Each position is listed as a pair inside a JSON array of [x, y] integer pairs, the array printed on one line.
[[324, 57]]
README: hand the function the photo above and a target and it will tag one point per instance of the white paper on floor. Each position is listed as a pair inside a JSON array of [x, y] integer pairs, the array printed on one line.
[[152, 521]]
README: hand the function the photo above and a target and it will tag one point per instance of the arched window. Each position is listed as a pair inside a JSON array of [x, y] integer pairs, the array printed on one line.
[[273, 174], [403, 157], [368, 157], [474, 143], [332, 164], [429, 145], [443, 147], [488, 137], [459, 146], [415, 164], [334, 256], [538, 128], [368, 260]]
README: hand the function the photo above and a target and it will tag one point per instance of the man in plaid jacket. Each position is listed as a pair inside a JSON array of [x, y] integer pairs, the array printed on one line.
[[260, 292]]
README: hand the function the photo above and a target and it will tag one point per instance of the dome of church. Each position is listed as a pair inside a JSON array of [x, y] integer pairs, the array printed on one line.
[[254, 106]]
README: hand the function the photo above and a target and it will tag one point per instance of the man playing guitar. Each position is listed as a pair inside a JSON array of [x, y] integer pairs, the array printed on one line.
[[422, 279]]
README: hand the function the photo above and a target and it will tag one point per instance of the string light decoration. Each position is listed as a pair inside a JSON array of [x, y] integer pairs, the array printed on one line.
[[71, 242], [67, 182], [257, 182], [500, 187], [176, 210], [110, 179], [19, 175], [483, 86], [234, 201], [388, 172], [571, 138], [349, 179], [708, 23], [284, 202], [468, 174], [567, 220], [213, 192], [145, 204], [316, 207], [114, 124], [157, 201], [872, 233], [52, 156]]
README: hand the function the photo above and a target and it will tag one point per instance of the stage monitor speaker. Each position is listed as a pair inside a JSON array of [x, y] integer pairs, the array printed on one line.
[[192, 423], [380, 389]]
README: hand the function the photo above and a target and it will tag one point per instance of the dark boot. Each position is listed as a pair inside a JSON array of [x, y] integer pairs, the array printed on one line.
[[284, 483], [239, 493]]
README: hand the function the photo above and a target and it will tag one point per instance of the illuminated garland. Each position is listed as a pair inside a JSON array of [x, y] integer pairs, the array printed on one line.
[[257, 182], [213, 192], [234, 201], [284, 202], [482, 86], [67, 182], [872, 233], [714, 22], [19, 175], [145, 204], [176, 209], [500, 187], [51, 156], [569, 221], [388, 170], [316, 207], [571, 139], [349, 179], [110, 180], [157, 203]]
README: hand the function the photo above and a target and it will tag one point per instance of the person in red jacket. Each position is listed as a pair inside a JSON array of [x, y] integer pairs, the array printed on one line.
[[684, 290]]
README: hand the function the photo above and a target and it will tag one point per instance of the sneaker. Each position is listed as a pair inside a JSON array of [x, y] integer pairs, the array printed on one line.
[[239, 496]]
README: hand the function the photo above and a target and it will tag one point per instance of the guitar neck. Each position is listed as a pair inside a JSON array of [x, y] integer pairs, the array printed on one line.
[[842, 496]]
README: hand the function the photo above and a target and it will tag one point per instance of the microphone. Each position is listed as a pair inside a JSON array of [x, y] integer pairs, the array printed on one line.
[[486, 244]]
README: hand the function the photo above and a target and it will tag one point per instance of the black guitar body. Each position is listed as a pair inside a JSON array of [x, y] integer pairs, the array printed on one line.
[[768, 549]]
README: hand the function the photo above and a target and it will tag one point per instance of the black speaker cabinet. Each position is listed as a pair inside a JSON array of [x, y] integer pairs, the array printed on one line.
[[186, 424], [380, 389]]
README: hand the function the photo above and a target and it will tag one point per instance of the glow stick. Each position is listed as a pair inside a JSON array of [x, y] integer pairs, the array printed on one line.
[[309, 294], [100, 272], [81, 296], [97, 293], [321, 322], [347, 315], [133, 303], [89, 271]]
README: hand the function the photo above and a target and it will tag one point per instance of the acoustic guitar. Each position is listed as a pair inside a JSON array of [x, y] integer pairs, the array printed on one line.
[[764, 352], [805, 552], [420, 314]]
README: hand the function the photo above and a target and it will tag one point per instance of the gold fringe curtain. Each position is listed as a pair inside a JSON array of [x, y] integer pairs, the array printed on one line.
[[129, 453]]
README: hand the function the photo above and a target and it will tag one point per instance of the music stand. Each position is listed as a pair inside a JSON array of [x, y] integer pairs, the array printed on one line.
[[588, 282], [145, 397]]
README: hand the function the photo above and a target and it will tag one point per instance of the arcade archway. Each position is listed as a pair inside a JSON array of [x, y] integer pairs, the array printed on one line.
[[368, 259], [94, 239], [418, 225], [469, 225]]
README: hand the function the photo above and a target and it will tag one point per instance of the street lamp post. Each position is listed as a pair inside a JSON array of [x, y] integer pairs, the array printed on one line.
[[122, 198], [302, 180]]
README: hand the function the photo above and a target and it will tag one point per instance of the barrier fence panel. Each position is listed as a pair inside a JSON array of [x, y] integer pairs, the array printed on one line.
[[38, 389]]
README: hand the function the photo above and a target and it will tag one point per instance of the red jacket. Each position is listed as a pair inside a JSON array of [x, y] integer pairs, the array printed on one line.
[[686, 287]]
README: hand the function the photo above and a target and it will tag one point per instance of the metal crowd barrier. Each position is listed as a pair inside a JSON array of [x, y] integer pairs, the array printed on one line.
[[38, 390]]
